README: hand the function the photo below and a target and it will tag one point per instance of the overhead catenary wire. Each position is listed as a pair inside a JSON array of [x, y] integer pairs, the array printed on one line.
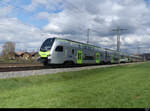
[[73, 6], [13, 6], [78, 10], [118, 30], [16, 7]]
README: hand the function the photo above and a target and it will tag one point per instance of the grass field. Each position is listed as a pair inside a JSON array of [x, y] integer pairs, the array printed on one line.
[[114, 87]]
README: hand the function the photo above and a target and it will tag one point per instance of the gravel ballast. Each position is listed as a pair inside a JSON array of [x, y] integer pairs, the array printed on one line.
[[14, 74]]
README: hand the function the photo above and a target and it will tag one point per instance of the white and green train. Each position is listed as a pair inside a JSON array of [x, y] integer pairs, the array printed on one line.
[[56, 51]]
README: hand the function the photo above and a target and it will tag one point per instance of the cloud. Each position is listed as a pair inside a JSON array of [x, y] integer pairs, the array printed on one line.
[[102, 17], [71, 19], [47, 4], [11, 29], [5, 9], [42, 15]]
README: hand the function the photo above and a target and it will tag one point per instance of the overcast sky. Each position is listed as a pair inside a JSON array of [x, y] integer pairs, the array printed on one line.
[[29, 22]]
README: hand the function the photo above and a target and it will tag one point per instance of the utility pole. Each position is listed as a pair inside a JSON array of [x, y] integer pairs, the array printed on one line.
[[88, 34], [118, 30]]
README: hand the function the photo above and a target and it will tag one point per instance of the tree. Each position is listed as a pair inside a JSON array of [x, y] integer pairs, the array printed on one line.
[[8, 49]]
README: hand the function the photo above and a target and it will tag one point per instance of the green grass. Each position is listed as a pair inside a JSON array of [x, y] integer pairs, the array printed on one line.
[[114, 87], [3, 60]]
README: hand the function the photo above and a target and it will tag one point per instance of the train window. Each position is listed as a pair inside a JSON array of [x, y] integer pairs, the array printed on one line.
[[72, 51], [105, 53], [80, 47], [84, 47], [59, 49], [47, 44], [90, 48], [87, 47], [101, 54]]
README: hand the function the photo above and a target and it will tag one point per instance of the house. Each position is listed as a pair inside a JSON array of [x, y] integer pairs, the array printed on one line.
[[19, 54], [35, 55], [27, 55], [24, 55]]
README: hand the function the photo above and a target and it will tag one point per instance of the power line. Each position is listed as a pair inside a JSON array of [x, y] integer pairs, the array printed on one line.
[[77, 9], [118, 30], [14, 6], [88, 34], [9, 5]]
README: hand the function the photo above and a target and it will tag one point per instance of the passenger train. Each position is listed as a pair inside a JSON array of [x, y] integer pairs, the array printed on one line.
[[58, 51]]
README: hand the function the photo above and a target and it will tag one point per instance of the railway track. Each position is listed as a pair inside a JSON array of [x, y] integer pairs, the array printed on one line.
[[9, 69], [15, 72], [25, 68], [14, 67], [19, 64]]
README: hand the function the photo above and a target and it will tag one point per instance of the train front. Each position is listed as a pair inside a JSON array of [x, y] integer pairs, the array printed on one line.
[[45, 51]]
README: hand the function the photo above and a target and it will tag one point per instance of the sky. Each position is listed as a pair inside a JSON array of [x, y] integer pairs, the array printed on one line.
[[29, 22]]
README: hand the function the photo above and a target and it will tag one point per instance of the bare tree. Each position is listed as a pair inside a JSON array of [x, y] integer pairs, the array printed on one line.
[[8, 49]]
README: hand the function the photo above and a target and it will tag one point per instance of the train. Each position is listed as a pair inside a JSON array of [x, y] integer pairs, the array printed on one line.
[[59, 51]]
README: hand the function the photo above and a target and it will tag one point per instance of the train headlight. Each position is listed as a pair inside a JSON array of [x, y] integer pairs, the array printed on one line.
[[49, 57]]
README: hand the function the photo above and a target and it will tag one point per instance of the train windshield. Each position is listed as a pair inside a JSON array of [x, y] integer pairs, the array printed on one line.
[[47, 44]]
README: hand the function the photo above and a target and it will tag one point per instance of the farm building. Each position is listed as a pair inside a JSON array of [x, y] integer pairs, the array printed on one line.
[[27, 55]]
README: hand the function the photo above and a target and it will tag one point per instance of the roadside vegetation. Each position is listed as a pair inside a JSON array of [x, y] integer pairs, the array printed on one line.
[[113, 87], [19, 60], [9, 55]]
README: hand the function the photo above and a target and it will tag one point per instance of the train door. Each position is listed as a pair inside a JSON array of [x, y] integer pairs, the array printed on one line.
[[60, 53], [102, 57], [97, 57], [112, 58], [79, 57], [109, 57], [106, 57], [66, 52], [72, 54], [119, 58]]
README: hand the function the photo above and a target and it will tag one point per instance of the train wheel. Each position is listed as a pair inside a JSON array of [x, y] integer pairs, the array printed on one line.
[[45, 63], [109, 62], [68, 64]]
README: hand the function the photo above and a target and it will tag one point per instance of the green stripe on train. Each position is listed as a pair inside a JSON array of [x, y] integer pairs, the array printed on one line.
[[44, 54], [97, 57], [79, 57], [112, 59]]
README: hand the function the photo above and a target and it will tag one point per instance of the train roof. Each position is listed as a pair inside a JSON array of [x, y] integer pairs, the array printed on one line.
[[106, 49], [85, 44], [79, 42]]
